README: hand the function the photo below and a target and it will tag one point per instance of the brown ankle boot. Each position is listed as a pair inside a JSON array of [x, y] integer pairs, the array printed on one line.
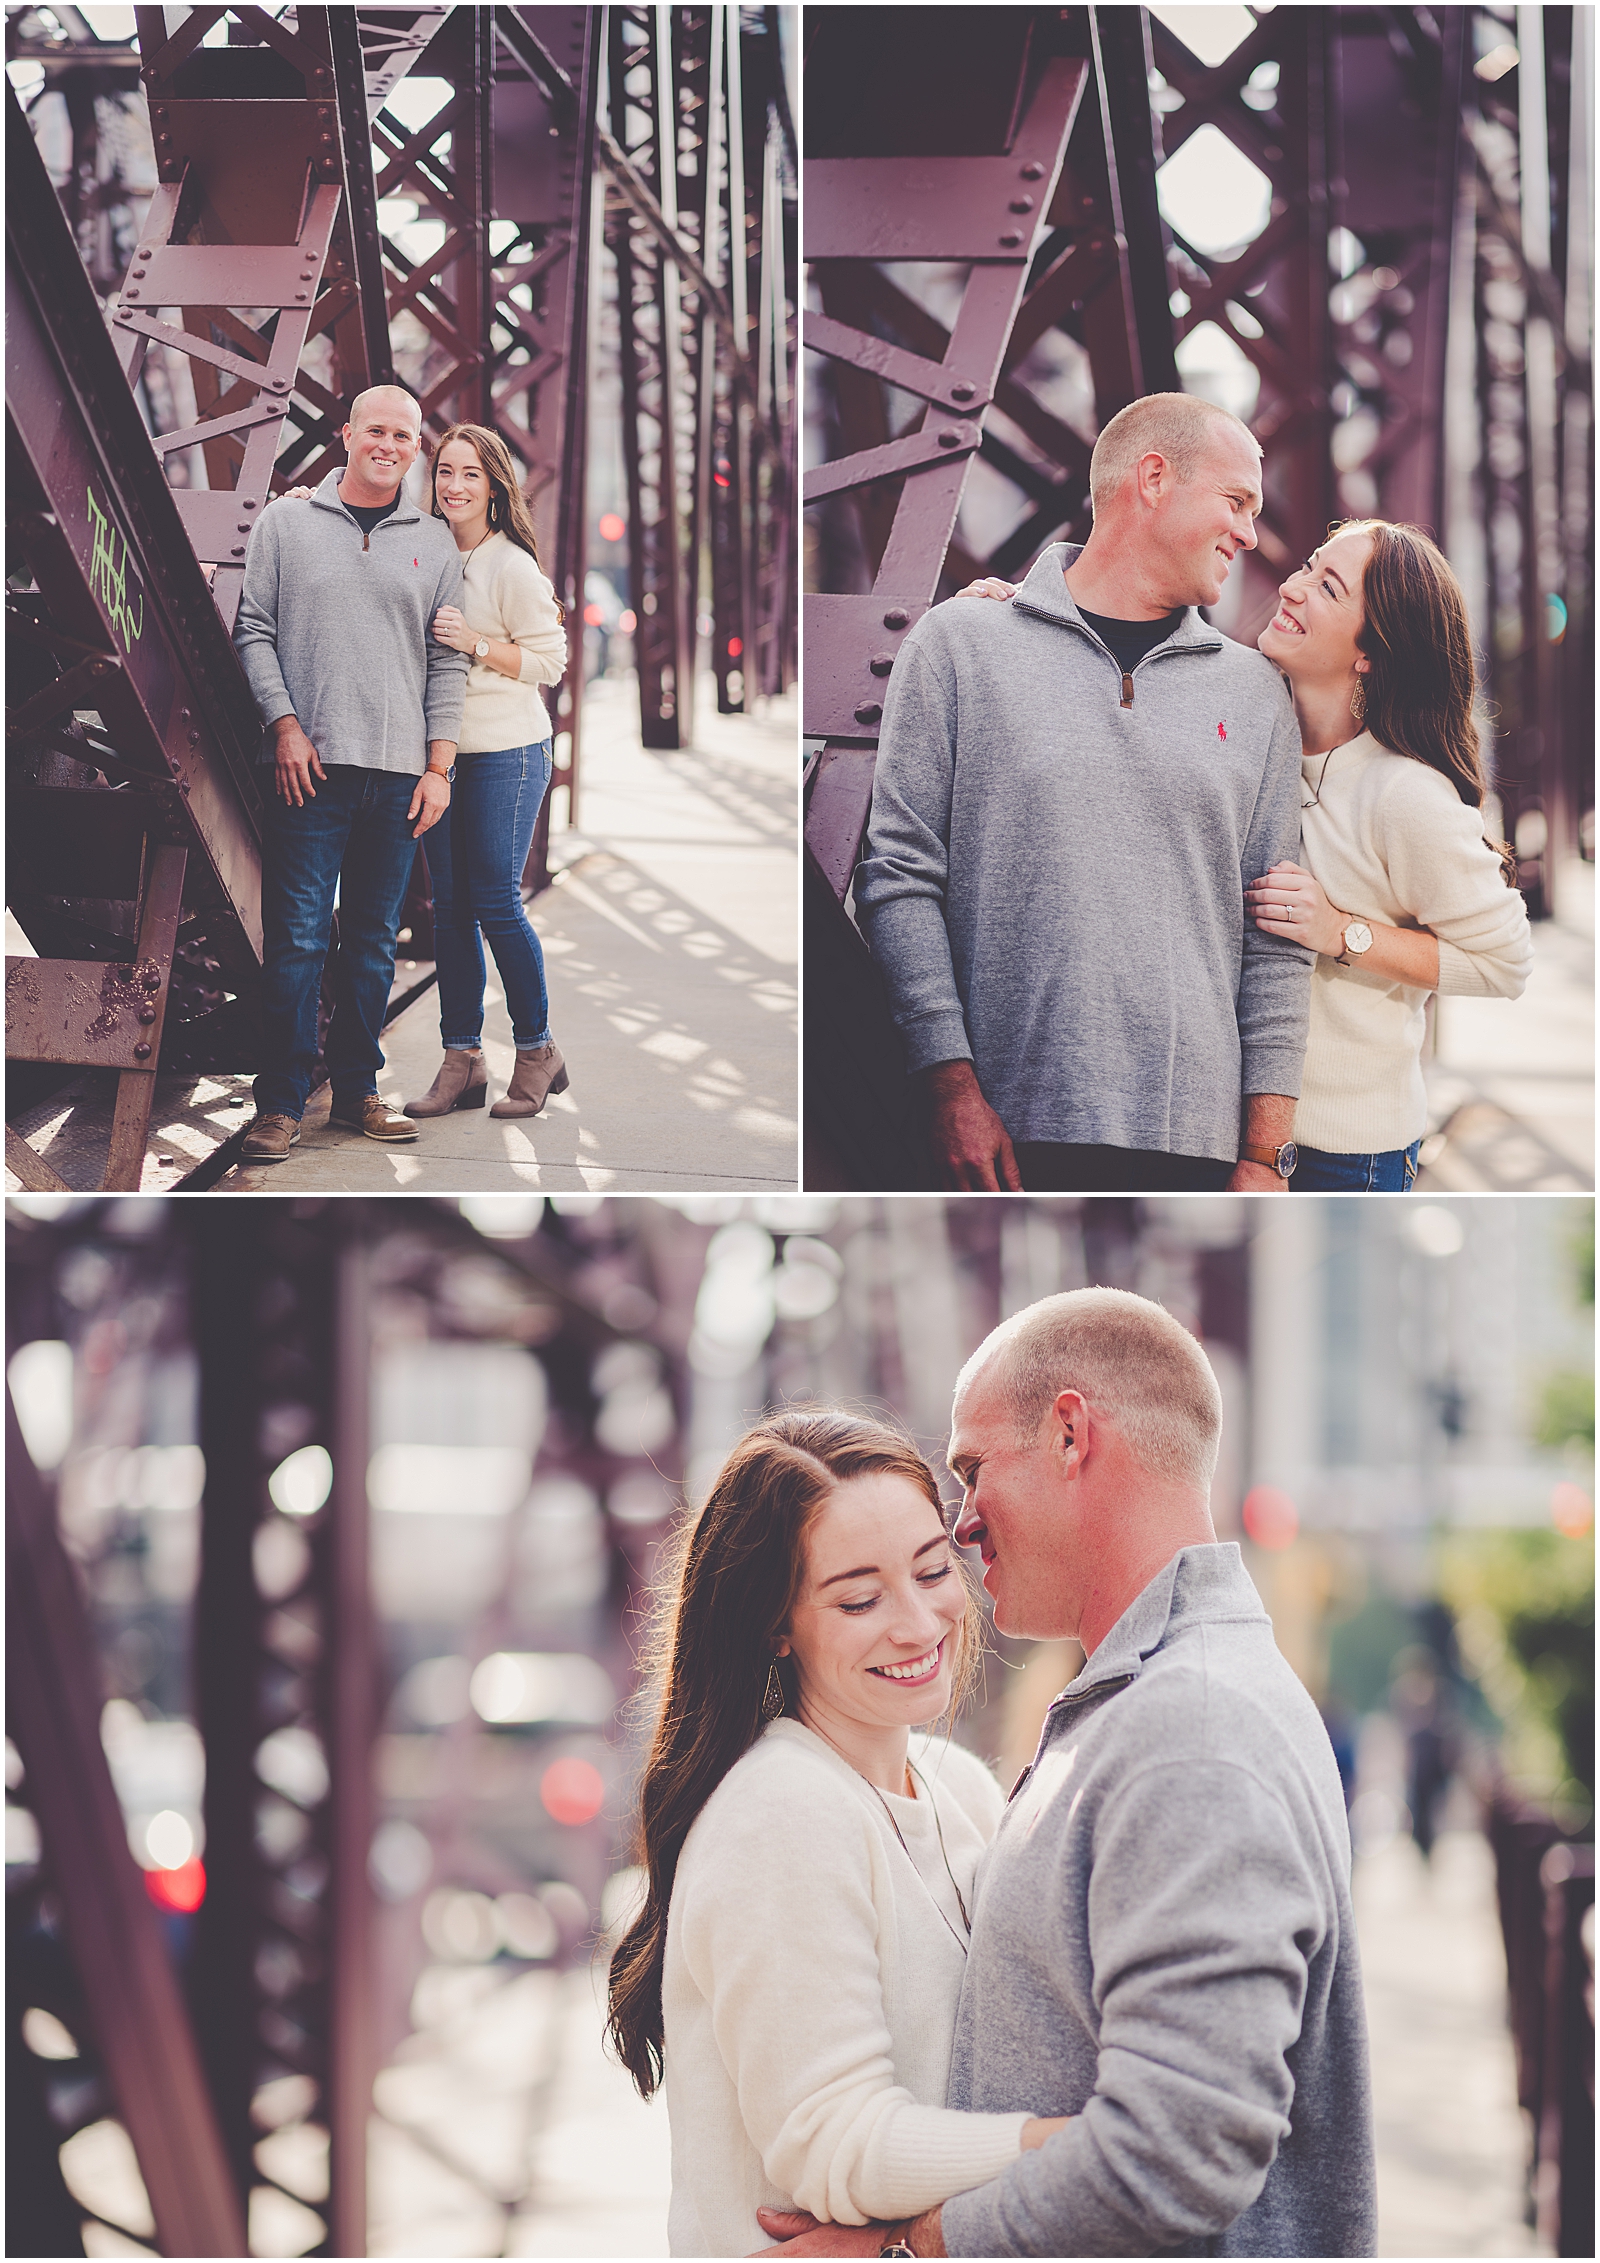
[[534, 1078], [462, 1082]]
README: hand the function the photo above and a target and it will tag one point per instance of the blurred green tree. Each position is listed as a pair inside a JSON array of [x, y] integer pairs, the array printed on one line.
[[1524, 1603]]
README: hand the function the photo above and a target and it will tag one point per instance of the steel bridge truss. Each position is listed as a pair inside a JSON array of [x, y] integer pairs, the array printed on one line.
[[697, 226], [255, 2076]]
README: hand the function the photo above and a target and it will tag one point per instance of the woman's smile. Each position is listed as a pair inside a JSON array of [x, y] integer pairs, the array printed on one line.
[[913, 1670]]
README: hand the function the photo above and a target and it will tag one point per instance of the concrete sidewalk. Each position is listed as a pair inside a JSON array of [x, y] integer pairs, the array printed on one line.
[[1511, 1083], [670, 941]]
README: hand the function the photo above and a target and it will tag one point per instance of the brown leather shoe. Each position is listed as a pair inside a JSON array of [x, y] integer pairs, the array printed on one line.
[[269, 1139], [462, 1082], [534, 1078], [371, 1116]]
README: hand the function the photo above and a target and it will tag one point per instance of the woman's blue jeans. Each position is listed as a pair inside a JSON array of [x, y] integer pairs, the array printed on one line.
[[476, 853], [1391, 1173]]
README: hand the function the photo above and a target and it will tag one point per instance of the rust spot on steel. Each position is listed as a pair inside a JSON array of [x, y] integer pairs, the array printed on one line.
[[122, 991]]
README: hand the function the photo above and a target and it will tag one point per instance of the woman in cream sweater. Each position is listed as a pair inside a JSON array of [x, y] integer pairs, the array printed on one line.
[[1397, 892], [509, 625], [809, 1858]]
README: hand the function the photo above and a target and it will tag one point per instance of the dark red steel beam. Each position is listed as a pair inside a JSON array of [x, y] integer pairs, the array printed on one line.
[[546, 94], [113, 1928]]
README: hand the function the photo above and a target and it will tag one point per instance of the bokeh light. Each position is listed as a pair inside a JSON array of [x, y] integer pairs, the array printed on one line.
[[1270, 1517], [573, 1790]]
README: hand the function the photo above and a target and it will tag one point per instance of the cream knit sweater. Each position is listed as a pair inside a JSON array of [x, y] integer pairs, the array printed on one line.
[[809, 1996], [1391, 840], [506, 598]]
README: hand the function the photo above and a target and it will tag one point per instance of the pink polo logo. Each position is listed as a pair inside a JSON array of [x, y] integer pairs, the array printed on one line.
[[1222, 733]]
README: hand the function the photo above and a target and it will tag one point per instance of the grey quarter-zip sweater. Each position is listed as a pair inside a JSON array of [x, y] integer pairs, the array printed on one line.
[[335, 628], [1163, 1947], [1053, 881]]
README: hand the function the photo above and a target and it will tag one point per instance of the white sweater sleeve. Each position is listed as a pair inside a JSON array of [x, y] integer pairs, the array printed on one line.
[[1449, 879], [780, 1930], [528, 607]]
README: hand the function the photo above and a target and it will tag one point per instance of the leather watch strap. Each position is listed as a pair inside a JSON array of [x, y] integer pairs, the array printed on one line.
[[1267, 1157]]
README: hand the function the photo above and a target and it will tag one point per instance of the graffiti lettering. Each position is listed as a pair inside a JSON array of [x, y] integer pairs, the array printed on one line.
[[109, 577]]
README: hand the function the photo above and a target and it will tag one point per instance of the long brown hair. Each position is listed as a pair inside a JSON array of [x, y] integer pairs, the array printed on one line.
[[1422, 687], [733, 1578], [508, 509]]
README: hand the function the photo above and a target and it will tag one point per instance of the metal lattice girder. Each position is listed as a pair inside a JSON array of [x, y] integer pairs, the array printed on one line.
[[1525, 216], [657, 442], [1272, 297], [262, 237], [1396, 105], [439, 301], [982, 210], [697, 221], [113, 1930], [122, 677], [547, 68], [281, 1975]]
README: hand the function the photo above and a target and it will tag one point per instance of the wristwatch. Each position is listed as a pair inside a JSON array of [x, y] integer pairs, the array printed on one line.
[[1280, 1159], [1357, 938], [898, 2247], [480, 650]]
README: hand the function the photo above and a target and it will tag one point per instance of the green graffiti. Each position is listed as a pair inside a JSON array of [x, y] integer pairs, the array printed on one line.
[[109, 579]]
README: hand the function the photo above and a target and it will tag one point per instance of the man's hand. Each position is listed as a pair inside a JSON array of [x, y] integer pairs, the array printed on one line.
[[800, 2234], [297, 762], [429, 802], [970, 1143], [1255, 1178]]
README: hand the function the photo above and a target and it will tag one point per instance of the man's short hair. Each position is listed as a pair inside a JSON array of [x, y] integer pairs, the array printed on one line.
[[391, 387], [1129, 1358], [1174, 425]]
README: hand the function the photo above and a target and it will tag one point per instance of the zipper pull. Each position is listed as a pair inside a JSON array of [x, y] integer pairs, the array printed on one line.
[[366, 544], [1127, 690]]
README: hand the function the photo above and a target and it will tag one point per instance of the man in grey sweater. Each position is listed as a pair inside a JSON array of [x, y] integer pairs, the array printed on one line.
[[1163, 1945], [1073, 791], [361, 709]]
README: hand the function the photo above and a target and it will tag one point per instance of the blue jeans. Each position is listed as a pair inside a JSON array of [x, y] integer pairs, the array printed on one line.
[[1391, 1173], [476, 853], [354, 836]]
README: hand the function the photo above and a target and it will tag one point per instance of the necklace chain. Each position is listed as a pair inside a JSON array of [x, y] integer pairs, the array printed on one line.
[[915, 1775], [894, 1826]]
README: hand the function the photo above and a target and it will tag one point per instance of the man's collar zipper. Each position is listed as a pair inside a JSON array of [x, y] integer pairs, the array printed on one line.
[[1079, 1697], [1160, 652]]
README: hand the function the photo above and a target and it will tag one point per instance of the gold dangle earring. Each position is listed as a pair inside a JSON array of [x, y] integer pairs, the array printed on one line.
[[1358, 703], [772, 1699]]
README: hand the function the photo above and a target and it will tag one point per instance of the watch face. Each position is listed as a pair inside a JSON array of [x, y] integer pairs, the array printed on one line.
[[1358, 936], [1288, 1157]]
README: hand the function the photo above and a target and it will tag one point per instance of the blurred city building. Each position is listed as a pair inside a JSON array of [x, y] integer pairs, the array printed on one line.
[[331, 1528]]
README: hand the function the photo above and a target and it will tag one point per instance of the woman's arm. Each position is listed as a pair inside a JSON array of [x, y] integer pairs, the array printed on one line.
[[1287, 901], [776, 1914]]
